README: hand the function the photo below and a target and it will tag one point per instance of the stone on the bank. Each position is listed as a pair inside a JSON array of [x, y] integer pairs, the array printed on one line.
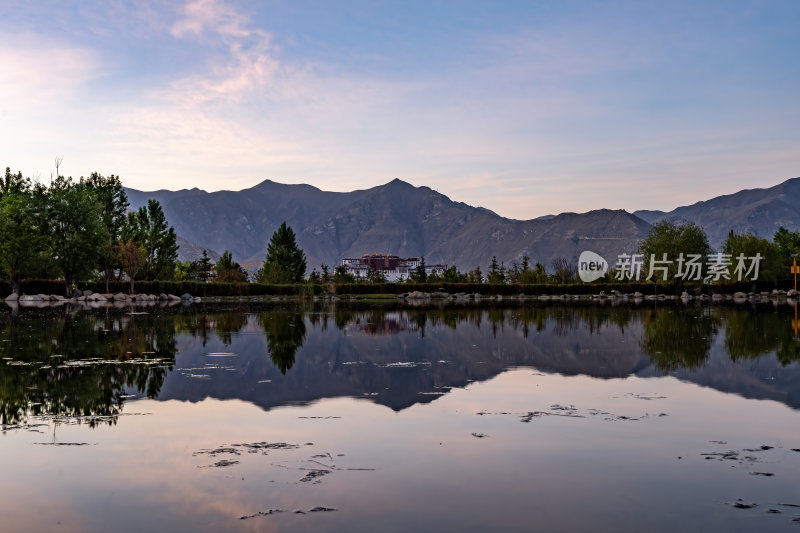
[[186, 296], [13, 297]]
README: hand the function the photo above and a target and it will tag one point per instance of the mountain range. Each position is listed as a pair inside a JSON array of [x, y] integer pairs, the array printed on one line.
[[401, 219]]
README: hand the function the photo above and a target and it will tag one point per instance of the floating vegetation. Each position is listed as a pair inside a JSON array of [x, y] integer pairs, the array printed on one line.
[[268, 512], [250, 447], [646, 396], [570, 412], [255, 447], [221, 464], [62, 443], [314, 475], [741, 504]]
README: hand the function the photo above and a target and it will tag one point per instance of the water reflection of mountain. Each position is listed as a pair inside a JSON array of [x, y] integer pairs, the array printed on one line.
[[321, 353]]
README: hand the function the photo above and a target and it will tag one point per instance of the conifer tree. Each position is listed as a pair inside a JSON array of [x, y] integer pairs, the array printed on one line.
[[285, 262]]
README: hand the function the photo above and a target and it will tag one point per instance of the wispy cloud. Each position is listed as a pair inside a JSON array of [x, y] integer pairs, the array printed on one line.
[[605, 101]]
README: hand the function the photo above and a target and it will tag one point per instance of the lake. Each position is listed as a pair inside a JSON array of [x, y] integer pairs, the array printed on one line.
[[389, 417]]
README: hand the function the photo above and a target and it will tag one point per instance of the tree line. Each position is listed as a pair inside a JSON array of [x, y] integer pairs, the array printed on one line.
[[83, 230], [77, 230]]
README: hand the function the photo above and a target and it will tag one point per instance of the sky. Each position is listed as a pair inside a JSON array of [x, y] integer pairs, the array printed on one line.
[[524, 107]]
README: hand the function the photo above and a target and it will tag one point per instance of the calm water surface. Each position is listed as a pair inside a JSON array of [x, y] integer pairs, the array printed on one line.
[[385, 418]]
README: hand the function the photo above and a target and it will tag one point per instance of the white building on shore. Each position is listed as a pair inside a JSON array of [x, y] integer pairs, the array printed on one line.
[[394, 268]]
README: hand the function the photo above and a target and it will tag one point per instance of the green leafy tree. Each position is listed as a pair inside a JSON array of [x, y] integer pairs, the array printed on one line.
[[285, 262], [419, 275], [114, 205], [149, 228], [185, 271], [749, 245], [74, 217], [533, 276], [374, 275], [21, 236], [434, 277], [452, 275], [670, 240], [132, 258], [788, 243], [476, 276], [341, 275], [229, 271]]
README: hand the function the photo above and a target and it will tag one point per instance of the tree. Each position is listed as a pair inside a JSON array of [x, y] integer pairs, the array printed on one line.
[[202, 268], [148, 227], [285, 262], [341, 275], [419, 275], [536, 275], [451, 275], [21, 237], [788, 243], [185, 271], [476, 276], [74, 216], [114, 204], [748, 245], [229, 271], [669, 240], [14, 183], [132, 258], [564, 270], [496, 273], [374, 275]]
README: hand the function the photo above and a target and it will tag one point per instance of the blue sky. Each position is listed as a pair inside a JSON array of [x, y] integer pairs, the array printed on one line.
[[526, 108]]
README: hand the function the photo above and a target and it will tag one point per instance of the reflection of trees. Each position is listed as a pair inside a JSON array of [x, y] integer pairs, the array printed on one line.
[[750, 334], [678, 338], [228, 323], [79, 366], [285, 331]]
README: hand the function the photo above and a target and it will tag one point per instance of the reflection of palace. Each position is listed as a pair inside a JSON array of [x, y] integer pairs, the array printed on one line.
[[381, 324]]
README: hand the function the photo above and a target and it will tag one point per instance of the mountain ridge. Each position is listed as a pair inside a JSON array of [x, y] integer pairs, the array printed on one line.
[[402, 219]]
